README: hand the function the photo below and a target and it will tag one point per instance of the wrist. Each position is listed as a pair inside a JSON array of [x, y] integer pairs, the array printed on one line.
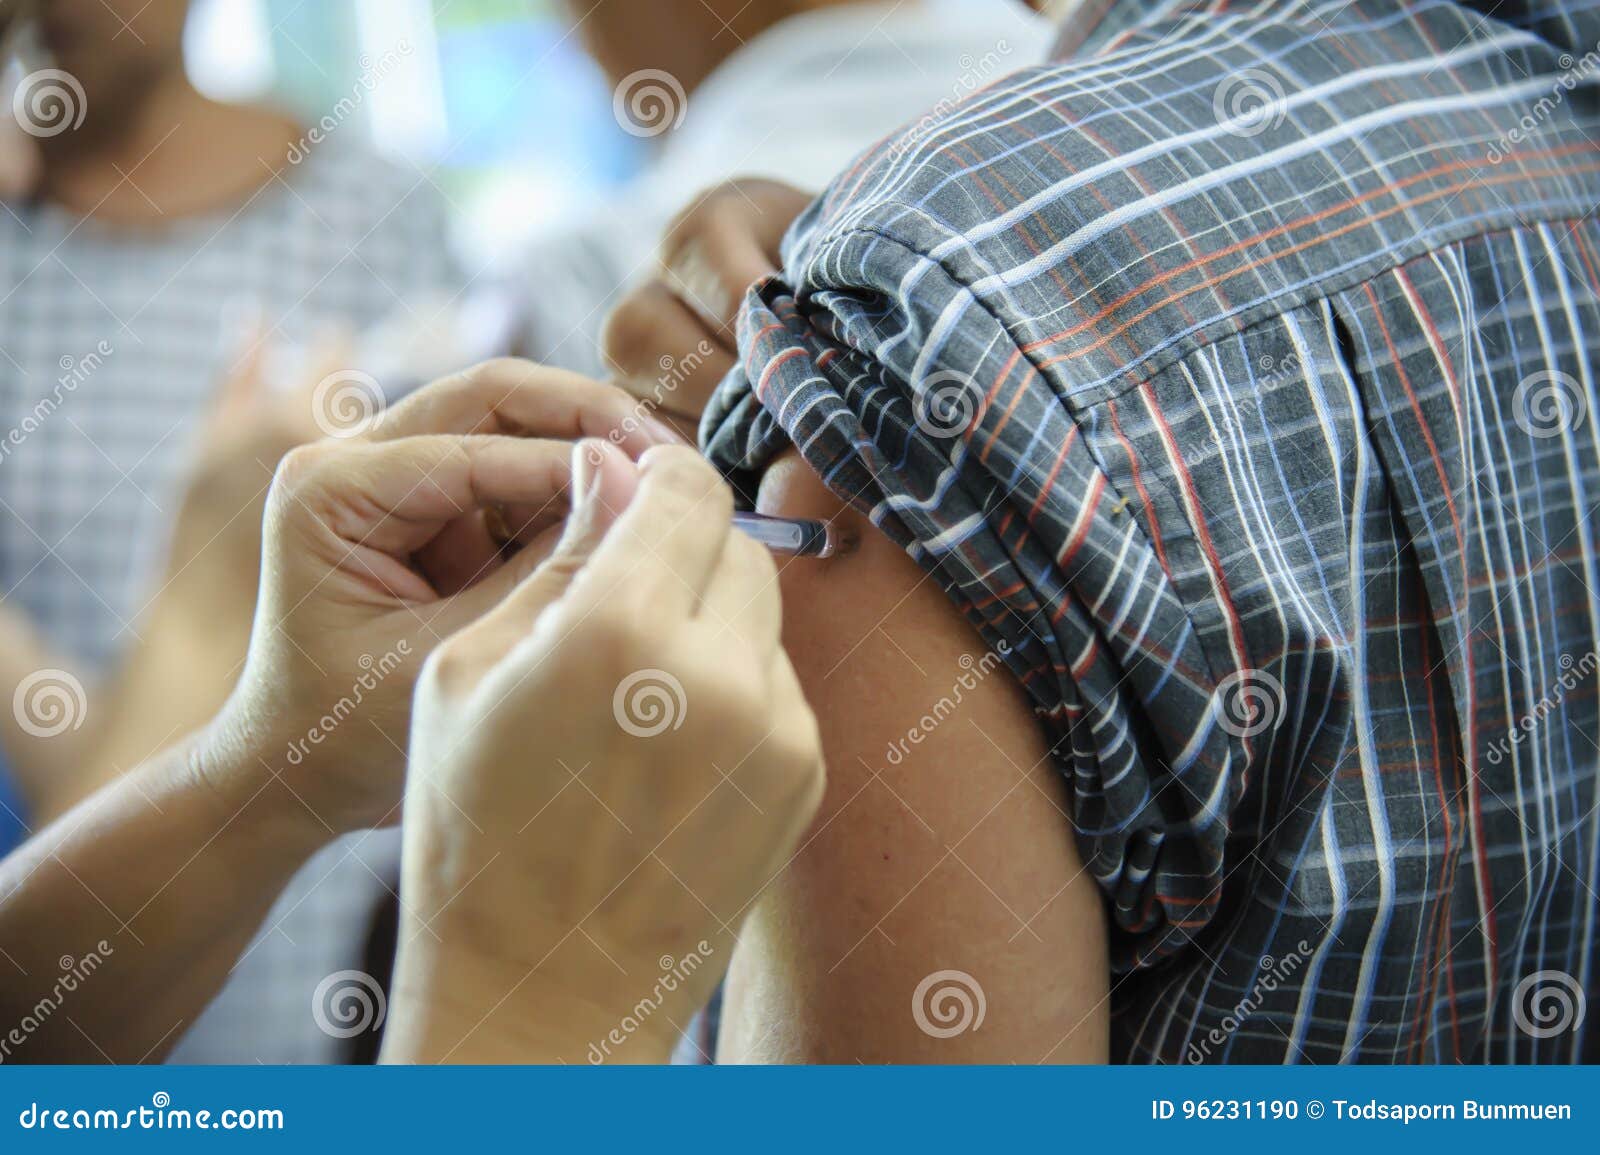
[[455, 1003], [233, 761]]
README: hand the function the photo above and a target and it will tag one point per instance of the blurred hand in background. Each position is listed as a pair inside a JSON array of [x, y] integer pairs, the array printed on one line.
[[19, 159], [197, 625], [195, 629], [672, 339]]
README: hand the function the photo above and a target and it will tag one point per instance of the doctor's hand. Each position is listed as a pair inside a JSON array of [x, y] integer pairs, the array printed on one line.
[[605, 772], [377, 546]]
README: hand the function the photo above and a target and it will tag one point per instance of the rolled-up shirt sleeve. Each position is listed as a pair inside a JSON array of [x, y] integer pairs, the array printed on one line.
[[913, 402]]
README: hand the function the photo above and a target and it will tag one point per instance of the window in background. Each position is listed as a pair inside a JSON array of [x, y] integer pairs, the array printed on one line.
[[493, 99]]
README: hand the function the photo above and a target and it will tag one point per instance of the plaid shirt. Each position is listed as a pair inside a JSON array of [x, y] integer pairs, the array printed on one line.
[[1236, 373]]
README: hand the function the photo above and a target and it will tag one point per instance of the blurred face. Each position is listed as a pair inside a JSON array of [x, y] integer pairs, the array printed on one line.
[[687, 38], [117, 49]]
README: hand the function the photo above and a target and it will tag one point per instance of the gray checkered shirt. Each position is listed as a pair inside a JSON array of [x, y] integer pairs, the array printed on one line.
[[1236, 377]]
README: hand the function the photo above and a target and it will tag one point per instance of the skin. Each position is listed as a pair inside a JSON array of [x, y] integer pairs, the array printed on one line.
[[658, 838], [195, 627], [170, 870], [959, 857], [150, 148], [686, 38], [714, 249]]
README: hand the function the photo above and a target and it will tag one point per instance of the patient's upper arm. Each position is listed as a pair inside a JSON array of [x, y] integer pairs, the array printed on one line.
[[953, 853]]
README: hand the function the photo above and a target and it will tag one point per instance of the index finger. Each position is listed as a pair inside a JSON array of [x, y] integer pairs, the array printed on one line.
[[518, 398], [395, 497]]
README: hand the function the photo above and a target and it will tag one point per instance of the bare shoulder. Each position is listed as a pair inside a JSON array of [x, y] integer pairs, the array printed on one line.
[[940, 885]]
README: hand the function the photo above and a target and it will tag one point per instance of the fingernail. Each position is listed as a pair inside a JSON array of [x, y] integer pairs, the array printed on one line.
[[588, 458]]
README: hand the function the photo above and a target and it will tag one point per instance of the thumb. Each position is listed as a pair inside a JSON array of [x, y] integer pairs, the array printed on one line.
[[604, 480], [603, 483]]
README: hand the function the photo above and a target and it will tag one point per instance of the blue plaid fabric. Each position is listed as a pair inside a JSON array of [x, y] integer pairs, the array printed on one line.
[[1238, 372]]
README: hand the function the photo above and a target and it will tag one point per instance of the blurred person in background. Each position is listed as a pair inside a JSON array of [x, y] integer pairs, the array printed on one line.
[[141, 217], [789, 90]]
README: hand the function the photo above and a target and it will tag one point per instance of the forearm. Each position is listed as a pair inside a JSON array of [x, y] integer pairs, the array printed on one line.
[[54, 720], [69, 736], [165, 690], [120, 921]]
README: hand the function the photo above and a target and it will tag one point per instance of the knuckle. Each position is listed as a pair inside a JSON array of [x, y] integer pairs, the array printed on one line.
[[797, 738], [490, 378], [618, 407], [692, 220], [298, 469], [451, 670], [462, 380], [632, 335], [726, 204], [499, 370], [796, 762]]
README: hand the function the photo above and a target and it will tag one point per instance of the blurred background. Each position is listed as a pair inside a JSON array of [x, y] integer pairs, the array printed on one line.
[[493, 101]]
